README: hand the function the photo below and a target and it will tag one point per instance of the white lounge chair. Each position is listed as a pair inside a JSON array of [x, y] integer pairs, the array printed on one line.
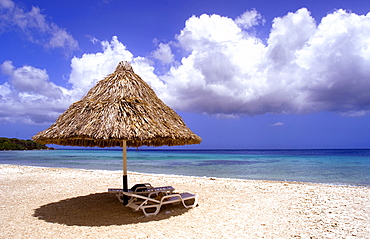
[[142, 189], [151, 206]]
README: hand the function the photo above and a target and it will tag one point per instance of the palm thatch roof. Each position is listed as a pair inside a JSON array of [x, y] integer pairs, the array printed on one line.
[[120, 107]]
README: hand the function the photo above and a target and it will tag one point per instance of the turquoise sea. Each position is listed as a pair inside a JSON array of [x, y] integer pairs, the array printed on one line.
[[333, 166]]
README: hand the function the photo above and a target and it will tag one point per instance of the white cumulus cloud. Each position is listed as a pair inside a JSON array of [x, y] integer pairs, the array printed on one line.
[[303, 67], [90, 68], [164, 53], [225, 70], [30, 80], [249, 19], [34, 26], [277, 124], [30, 96]]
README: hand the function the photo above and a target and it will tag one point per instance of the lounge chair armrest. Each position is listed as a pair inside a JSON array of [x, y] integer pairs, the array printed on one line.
[[173, 196]]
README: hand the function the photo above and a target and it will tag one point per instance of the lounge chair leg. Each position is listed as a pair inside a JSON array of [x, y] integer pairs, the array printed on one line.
[[125, 189], [157, 209]]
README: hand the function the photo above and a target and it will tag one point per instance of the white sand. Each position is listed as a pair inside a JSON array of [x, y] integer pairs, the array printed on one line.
[[67, 203]]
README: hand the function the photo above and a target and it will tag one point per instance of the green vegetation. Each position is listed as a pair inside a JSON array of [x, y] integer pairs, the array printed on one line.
[[19, 144]]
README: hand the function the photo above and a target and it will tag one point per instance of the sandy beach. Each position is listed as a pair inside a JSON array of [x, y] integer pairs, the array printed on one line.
[[40, 202]]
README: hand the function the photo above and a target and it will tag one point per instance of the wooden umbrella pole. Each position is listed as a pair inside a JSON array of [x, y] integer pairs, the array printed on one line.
[[124, 163]]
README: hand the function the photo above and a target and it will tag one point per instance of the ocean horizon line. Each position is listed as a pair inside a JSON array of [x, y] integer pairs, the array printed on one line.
[[201, 149]]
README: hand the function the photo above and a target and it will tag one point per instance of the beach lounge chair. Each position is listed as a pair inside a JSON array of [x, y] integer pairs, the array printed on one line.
[[142, 189], [152, 205]]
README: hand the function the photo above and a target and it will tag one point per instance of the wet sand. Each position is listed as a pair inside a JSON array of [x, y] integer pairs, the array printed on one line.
[[40, 202]]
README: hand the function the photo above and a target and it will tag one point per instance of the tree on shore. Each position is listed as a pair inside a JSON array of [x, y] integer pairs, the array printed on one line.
[[19, 144]]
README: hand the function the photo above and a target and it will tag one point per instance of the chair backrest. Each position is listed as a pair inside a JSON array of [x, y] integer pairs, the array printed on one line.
[[141, 187]]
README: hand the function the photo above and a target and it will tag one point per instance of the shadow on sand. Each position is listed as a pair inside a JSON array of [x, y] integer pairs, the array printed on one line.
[[99, 209]]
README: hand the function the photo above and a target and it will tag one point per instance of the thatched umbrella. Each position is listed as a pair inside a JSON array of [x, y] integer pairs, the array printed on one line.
[[121, 110]]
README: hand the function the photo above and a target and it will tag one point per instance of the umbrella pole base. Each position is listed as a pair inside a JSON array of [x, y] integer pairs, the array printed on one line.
[[125, 188]]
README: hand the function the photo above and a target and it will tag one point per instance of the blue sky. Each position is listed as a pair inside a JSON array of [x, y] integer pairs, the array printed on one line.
[[242, 74]]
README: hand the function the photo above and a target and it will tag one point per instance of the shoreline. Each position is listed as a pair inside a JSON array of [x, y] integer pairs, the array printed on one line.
[[205, 177], [40, 202]]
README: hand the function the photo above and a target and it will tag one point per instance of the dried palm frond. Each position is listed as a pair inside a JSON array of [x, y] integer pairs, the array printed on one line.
[[120, 107]]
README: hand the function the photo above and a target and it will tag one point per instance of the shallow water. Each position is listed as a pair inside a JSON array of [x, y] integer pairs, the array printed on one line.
[[346, 167]]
